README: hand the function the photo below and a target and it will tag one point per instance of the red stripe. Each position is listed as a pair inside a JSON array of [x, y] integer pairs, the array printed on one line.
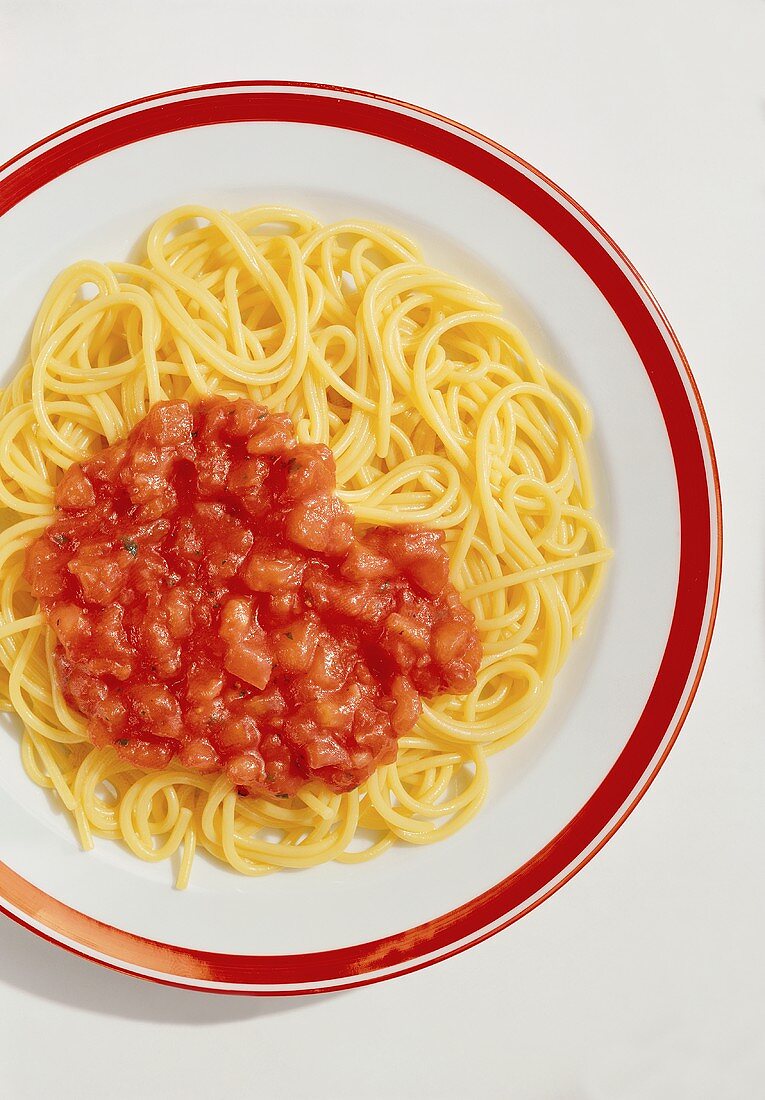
[[591, 254]]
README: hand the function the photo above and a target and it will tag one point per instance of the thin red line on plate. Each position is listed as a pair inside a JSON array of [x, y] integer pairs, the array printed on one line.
[[614, 797]]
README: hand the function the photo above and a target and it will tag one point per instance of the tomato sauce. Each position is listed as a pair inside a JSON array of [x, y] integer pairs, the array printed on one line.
[[213, 603]]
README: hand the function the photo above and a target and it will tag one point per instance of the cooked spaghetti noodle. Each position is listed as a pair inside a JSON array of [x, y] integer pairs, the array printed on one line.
[[437, 412]]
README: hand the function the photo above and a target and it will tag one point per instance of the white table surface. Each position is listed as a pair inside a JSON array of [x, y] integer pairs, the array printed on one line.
[[643, 978]]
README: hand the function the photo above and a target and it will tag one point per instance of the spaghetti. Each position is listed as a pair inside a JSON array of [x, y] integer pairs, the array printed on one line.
[[437, 412]]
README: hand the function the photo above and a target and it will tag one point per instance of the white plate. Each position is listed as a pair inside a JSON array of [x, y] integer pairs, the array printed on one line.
[[479, 211]]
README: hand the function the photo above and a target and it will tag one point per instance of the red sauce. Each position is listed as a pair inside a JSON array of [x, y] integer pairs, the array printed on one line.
[[212, 602]]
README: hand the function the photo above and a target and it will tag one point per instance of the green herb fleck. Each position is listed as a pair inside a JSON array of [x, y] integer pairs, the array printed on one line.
[[131, 547], [60, 540], [123, 740], [289, 635]]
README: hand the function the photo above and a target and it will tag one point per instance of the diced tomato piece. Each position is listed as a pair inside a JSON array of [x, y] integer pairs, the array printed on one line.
[[249, 662], [162, 649], [226, 553], [148, 571], [105, 465], [177, 606], [204, 716], [110, 651], [461, 673], [247, 770], [213, 464], [169, 423], [284, 770], [284, 606], [156, 708], [101, 571], [418, 551], [45, 565], [205, 683], [363, 601], [405, 628], [335, 711], [74, 491], [272, 435], [147, 476], [331, 661], [326, 752], [449, 640], [321, 523], [188, 540], [112, 713], [364, 564], [145, 753], [71, 623], [294, 644], [84, 690], [372, 732], [99, 733], [236, 620], [309, 471], [200, 756], [268, 704], [238, 733], [248, 476], [243, 419], [408, 707], [271, 567], [155, 531]]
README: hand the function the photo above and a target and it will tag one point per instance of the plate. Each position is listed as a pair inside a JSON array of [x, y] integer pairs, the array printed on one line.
[[92, 190]]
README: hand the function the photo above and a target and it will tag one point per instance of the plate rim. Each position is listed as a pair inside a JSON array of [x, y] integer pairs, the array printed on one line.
[[442, 937]]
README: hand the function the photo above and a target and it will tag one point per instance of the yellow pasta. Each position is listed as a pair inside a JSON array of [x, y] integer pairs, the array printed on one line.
[[438, 412]]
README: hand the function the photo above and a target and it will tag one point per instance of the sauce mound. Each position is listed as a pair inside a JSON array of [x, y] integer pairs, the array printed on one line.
[[213, 603]]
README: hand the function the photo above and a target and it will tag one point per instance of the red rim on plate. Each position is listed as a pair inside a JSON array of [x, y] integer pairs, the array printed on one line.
[[700, 535]]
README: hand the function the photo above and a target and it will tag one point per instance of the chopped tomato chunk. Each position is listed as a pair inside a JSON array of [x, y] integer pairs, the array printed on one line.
[[408, 706], [271, 435], [249, 662], [271, 567], [200, 756], [100, 571], [321, 523], [295, 644], [238, 733], [310, 470], [247, 770], [74, 490], [157, 709]]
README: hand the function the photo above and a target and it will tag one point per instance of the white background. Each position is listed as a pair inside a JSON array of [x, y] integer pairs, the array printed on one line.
[[643, 978]]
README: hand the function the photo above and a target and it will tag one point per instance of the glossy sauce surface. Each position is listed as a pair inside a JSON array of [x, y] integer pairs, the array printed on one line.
[[213, 603]]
